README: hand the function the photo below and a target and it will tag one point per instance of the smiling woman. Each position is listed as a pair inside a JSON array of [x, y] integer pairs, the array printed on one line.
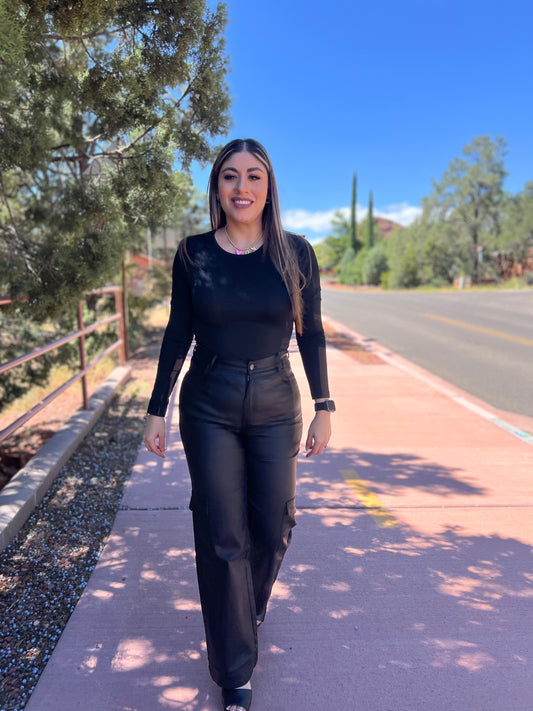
[[239, 290], [243, 192]]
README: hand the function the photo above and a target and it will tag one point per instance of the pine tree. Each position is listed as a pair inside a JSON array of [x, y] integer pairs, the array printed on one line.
[[102, 103]]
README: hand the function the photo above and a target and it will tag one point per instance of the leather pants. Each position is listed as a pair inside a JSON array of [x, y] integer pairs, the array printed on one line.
[[241, 427]]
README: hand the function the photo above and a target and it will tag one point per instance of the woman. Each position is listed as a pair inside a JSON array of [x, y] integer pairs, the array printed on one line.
[[238, 290]]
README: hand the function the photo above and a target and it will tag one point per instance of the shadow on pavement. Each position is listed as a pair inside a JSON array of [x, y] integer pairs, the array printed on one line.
[[364, 616]]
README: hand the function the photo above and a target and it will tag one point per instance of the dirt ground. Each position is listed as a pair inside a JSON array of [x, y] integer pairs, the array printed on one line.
[[18, 449]]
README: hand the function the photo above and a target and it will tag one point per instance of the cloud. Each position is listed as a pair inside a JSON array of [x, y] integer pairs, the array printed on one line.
[[402, 213], [315, 221], [320, 223]]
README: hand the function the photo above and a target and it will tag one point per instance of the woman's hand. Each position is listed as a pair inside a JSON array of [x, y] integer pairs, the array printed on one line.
[[319, 433], [154, 435]]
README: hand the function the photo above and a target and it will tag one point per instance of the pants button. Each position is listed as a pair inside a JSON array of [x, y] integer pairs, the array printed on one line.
[[251, 366]]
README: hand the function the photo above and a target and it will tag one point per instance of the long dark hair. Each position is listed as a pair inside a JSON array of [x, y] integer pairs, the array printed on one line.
[[276, 243]]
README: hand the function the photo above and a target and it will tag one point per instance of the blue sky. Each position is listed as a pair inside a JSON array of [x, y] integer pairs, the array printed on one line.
[[392, 90]]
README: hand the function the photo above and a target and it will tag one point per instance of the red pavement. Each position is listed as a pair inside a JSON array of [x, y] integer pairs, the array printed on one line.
[[408, 586]]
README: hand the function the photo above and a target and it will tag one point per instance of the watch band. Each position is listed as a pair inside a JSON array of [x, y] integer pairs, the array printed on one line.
[[327, 405]]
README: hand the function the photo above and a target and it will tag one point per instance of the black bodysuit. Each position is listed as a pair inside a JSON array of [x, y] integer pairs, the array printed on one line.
[[238, 307]]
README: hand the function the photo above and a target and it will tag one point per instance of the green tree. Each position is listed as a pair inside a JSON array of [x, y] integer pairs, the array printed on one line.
[[100, 101], [370, 223], [426, 252], [376, 264], [516, 235], [352, 266], [470, 195], [405, 267], [330, 251], [354, 242]]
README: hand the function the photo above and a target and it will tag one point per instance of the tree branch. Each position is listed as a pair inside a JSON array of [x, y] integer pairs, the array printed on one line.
[[87, 36], [125, 149]]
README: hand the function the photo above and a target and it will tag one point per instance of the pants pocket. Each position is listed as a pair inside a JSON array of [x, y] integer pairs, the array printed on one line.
[[289, 522]]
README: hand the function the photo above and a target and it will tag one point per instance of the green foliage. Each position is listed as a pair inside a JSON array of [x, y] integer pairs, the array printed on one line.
[[352, 266], [330, 251], [516, 235], [99, 101], [370, 223], [354, 242], [427, 253], [405, 269], [19, 336], [375, 265], [470, 195], [467, 215], [13, 333], [158, 286]]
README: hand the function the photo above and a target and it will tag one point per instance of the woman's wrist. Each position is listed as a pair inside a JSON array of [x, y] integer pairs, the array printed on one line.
[[324, 404]]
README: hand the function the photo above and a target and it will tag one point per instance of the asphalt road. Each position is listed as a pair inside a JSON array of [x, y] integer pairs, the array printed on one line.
[[481, 342]]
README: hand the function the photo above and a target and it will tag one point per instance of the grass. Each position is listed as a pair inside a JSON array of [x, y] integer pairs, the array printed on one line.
[[514, 284]]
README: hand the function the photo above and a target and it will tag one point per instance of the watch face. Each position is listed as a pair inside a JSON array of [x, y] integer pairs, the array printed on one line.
[[330, 405]]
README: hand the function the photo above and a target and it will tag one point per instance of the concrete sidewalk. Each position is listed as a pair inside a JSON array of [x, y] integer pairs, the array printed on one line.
[[408, 586]]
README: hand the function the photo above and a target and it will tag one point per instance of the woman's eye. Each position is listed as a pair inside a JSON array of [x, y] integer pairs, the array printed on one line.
[[255, 177], [228, 176]]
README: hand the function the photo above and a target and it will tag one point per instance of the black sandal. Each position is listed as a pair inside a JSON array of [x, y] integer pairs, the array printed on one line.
[[237, 697]]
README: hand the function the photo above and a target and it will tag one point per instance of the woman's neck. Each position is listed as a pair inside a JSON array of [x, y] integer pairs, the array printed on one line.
[[244, 233]]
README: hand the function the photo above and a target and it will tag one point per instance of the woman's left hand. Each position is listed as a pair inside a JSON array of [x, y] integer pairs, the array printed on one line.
[[319, 433]]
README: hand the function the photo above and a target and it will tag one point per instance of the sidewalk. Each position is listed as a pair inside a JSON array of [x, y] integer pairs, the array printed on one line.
[[408, 586]]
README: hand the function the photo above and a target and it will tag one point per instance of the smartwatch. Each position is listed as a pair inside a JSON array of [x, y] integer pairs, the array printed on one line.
[[327, 405]]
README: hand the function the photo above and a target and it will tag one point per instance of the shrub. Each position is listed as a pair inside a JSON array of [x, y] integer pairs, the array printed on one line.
[[376, 263]]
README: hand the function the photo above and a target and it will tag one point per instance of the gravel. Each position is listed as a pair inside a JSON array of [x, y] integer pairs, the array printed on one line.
[[45, 569]]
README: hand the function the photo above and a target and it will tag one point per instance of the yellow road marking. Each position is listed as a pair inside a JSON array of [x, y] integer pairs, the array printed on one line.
[[480, 329], [369, 500]]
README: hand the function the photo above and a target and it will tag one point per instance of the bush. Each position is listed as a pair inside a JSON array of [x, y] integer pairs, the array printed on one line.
[[405, 271], [351, 268], [376, 263], [19, 336]]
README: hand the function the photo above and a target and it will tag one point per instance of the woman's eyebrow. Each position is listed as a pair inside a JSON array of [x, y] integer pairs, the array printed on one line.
[[249, 170]]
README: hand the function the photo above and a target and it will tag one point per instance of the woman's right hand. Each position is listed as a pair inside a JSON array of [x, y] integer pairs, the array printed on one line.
[[154, 435]]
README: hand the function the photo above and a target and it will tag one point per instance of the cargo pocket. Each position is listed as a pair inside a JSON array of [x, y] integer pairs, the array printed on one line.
[[289, 522]]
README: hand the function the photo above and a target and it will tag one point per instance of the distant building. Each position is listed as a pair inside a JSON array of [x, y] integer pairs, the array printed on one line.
[[139, 281]]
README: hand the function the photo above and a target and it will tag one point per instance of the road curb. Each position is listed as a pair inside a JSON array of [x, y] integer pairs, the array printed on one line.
[[459, 396], [24, 492]]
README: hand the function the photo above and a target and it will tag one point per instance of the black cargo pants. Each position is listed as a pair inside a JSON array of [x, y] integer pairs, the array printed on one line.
[[241, 426]]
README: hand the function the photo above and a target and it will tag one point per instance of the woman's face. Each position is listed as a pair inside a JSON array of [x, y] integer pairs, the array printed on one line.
[[243, 188]]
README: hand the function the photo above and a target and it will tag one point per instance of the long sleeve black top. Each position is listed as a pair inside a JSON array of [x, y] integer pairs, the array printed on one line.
[[238, 307]]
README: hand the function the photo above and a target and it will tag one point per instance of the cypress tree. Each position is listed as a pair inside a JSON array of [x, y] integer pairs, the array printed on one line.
[[353, 216], [370, 222]]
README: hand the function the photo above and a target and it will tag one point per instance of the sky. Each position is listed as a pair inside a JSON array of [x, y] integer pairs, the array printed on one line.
[[390, 90]]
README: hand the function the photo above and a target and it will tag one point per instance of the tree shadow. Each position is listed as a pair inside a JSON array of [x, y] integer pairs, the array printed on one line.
[[372, 617], [392, 474]]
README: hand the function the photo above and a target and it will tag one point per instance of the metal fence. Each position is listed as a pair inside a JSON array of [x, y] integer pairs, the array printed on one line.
[[83, 331]]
